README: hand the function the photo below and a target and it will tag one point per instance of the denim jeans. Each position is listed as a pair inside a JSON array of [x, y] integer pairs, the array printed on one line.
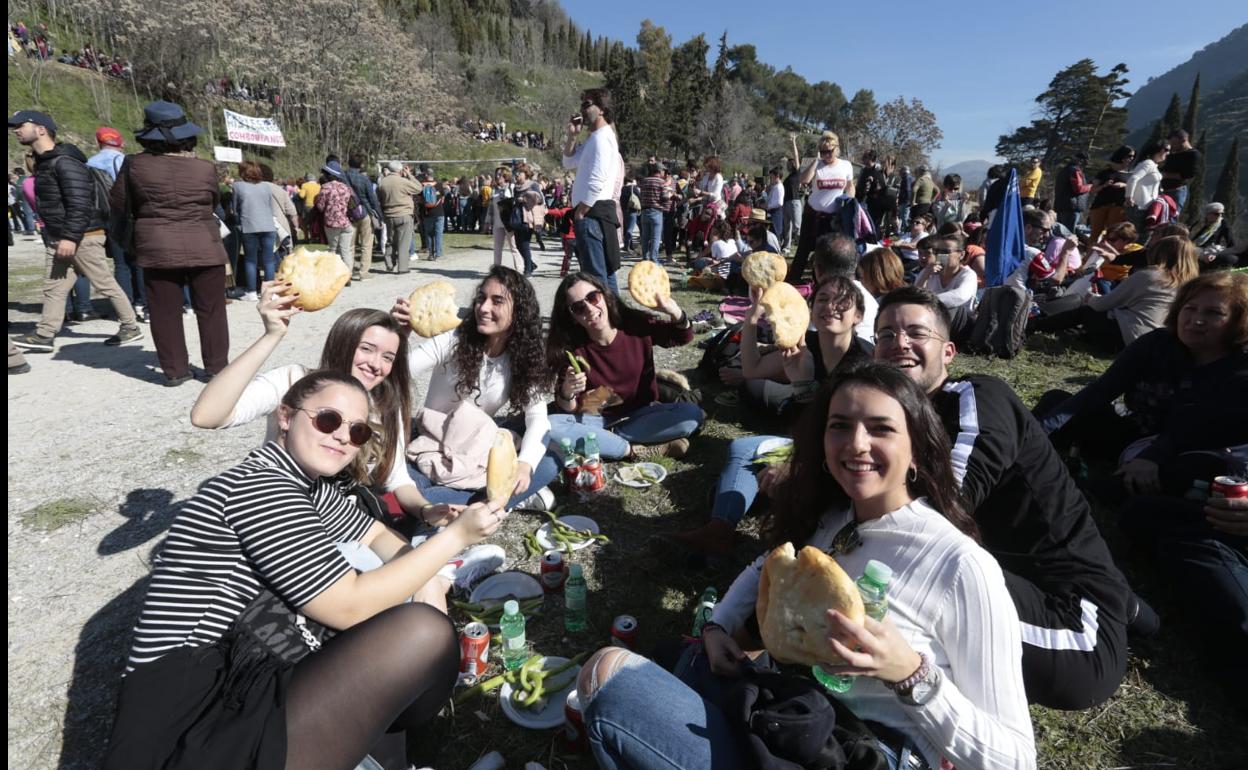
[[630, 221], [737, 486], [547, 470], [79, 298], [590, 253], [127, 272], [1180, 199], [651, 233], [523, 236], [651, 424], [258, 249], [777, 222], [434, 227]]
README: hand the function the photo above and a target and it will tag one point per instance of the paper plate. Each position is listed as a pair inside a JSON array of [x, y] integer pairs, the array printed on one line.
[[550, 715], [575, 522], [770, 445], [495, 588], [652, 469]]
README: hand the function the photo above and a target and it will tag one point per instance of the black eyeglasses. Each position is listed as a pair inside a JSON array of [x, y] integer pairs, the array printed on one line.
[[328, 420], [581, 306], [826, 152], [915, 333], [847, 540]]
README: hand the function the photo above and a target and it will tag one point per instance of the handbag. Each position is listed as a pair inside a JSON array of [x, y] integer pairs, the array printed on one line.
[[355, 209], [269, 629]]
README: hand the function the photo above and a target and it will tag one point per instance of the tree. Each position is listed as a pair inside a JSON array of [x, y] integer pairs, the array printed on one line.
[[687, 92], [1193, 108], [1173, 119], [1196, 190], [856, 120], [905, 130], [1227, 191]]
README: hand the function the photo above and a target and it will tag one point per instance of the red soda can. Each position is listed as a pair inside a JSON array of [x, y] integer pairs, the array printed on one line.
[[571, 476], [624, 632], [574, 723], [474, 649], [591, 479], [552, 572], [1229, 487]]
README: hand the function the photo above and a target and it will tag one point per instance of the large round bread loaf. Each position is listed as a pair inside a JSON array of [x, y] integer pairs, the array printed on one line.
[[787, 311], [501, 467], [317, 276], [795, 592], [647, 282], [433, 309], [764, 269]]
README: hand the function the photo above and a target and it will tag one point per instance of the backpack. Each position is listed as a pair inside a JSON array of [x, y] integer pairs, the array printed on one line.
[[101, 184], [430, 194], [1000, 327], [722, 349]]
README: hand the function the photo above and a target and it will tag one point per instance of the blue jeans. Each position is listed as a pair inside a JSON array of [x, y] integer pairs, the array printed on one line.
[[590, 253], [737, 486], [434, 227], [777, 222], [79, 298], [128, 273], [524, 237], [630, 221], [651, 424], [258, 249], [651, 233], [1180, 199]]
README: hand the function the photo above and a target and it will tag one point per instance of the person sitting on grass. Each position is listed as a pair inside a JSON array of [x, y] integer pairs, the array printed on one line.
[[940, 673], [616, 341], [1120, 253], [719, 261], [206, 684], [880, 271], [953, 283]]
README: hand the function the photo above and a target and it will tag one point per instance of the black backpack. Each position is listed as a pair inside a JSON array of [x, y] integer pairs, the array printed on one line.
[[101, 184], [1001, 324]]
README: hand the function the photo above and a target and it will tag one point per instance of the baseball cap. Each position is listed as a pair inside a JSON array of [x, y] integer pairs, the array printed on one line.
[[31, 116], [109, 135]]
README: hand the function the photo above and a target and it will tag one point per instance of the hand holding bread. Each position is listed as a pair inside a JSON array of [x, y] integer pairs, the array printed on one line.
[[314, 278], [788, 313], [795, 592], [648, 283]]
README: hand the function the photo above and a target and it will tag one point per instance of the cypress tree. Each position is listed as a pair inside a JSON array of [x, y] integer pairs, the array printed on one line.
[[1196, 190], [1193, 108], [1227, 192], [1173, 119]]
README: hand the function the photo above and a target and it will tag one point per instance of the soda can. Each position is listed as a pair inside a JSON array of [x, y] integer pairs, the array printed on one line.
[[591, 479], [1230, 487], [624, 632], [571, 476], [552, 572], [474, 649], [574, 723]]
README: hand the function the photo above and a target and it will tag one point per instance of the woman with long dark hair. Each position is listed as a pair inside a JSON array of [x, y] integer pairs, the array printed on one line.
[[493, 359], [617, 342], [941, 673]]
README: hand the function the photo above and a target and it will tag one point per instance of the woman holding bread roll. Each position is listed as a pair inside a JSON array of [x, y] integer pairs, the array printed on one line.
[[494, 360], [942, 672], [614, 348]]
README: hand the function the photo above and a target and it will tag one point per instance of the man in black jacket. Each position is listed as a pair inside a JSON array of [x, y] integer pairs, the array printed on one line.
[[365, 194], [1073, 603], [66, 198]]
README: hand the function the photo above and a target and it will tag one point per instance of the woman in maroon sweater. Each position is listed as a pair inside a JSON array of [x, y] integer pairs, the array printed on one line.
[[617, 343]]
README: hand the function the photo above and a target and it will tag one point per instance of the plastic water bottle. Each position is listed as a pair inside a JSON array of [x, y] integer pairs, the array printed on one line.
[[591, 447], [706, 606], [873, 586], [571, 463], [512, 628], [574, 600]]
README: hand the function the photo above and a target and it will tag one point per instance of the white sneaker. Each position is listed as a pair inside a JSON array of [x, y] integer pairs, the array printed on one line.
[[249, 296], [472, 565], [541, 500]]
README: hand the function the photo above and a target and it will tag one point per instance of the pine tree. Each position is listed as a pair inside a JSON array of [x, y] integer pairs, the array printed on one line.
[[1193, 108], [1196, 189], [1173, 119], [1227, 192]]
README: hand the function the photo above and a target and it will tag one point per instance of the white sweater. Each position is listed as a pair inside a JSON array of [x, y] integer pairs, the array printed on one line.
[[948, 600], [493, 386], [959, 292], [1144, 184]]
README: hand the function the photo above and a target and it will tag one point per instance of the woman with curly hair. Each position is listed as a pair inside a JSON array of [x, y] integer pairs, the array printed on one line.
[[589, 322], [492, 359]]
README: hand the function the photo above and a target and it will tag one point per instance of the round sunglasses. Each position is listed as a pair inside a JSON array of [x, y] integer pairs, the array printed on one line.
[[328, 420], [581, 306]]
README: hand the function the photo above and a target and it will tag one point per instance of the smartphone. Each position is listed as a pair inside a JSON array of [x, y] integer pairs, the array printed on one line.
[[576, 120]]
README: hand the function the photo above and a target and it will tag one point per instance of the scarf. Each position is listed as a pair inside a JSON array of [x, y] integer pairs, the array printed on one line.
[[1202, 236]]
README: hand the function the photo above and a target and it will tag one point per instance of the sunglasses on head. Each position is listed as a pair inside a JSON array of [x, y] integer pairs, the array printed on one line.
[[328, 420], [582, 305]]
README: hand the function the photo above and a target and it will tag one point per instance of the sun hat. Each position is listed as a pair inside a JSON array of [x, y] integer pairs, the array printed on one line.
[[166, 120]]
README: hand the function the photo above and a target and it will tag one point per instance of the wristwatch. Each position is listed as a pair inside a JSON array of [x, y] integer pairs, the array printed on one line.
[[921, 686]]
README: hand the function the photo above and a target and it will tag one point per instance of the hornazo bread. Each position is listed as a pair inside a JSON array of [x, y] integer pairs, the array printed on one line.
[[648, 282], [317, 276], [764, 269], [795, 592], [787, 311], [501, 467], [433, 310]]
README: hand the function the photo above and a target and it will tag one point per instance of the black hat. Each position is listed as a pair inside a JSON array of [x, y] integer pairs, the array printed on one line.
[[31, 116]]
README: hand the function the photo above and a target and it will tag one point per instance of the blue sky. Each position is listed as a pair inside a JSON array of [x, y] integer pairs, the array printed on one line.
[[977, 65]]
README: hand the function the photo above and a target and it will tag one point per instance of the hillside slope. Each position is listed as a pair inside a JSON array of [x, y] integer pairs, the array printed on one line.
[[1217, 64]]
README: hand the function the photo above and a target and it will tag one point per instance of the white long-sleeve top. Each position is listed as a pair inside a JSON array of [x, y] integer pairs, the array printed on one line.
[[597, 164], [775, 196], [959, 292], [264, 394], [1144, 183], [493, 387], [948, 600]]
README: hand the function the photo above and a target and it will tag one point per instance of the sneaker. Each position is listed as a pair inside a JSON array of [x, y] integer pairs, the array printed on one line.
[[541, 500], [140, 314], [249, 296], [472, 565], [675, 449], [173, 382], [124, 334], [187, 310], [33, 342], [19, 369]]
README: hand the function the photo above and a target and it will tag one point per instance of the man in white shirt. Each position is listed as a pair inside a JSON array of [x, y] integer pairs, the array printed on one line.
[[775, 202], [598, 165]]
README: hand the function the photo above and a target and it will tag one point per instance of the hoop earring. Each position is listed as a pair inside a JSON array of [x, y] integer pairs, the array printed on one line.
[[914, 474]]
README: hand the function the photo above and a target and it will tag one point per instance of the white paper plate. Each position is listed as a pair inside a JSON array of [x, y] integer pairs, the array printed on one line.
[[550, 715], [495, 588], [770, 445], [575, 522], [654, 469]]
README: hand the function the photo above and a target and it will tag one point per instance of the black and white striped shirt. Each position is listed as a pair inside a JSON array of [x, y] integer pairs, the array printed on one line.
[[263, 523]]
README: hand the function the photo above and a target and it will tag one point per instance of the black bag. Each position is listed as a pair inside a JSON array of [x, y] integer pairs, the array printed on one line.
[[270, 629], [722, 349], [1001, 324], [101, 185]]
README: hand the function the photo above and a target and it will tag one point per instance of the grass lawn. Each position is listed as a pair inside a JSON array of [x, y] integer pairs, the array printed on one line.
[[1167, 713]]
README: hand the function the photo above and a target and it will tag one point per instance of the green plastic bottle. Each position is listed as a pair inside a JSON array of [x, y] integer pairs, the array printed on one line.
[[873, 586], [574, 601], [511, 626], [706, 607]]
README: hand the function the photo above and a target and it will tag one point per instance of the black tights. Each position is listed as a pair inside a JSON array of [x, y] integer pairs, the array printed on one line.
[[394, 671]]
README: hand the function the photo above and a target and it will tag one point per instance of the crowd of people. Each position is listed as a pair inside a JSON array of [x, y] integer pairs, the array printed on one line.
[[1004, 592], [36, 44], [487, 131], [244, 92]]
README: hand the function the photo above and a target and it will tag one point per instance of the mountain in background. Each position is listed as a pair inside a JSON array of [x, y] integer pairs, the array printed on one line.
[[1217, 64], [973, 172]]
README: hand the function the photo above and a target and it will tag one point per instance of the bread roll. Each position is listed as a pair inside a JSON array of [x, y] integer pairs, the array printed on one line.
[[317, 276], [433, 309], [764, 269], [795, 592], [787, 311], [648, 282], [501, 467]]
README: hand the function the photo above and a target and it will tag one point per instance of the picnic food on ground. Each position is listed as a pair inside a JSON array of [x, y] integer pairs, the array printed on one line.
[[795, 593], [490, 611], [433, 310], [531, 683], [638, 472], [787, 312], [564, 537], [764, 269], [316, 276], [648, 282], [501, 468]]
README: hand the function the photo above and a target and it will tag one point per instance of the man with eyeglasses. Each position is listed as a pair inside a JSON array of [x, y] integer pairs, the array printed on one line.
[[599, 169], [1073, 602]]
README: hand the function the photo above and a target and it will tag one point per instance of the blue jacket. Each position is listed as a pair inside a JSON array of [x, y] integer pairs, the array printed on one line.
[[363, 188]]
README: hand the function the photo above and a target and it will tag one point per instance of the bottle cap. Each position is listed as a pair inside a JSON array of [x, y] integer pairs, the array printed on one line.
[[574, 571], [591, 436], [878, 572], [511, 607]]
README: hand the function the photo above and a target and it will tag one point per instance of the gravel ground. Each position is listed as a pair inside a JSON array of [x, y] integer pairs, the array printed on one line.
[[93, 433]]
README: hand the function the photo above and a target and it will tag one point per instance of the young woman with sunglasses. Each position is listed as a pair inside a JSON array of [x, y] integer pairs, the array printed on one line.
[[200, 692], [941, 673], [493, 359], [588, 321], [829, 177]]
